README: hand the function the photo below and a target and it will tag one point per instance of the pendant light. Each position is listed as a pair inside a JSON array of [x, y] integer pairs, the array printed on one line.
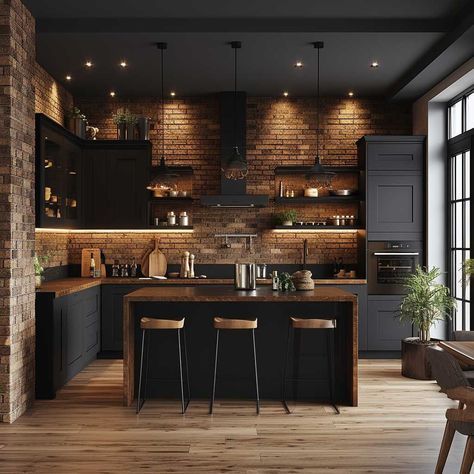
[[163, 177], [236, 168], [317, 175]]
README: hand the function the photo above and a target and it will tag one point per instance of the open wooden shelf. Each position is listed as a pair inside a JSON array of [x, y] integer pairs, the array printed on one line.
[[315, 200], [305, 169]]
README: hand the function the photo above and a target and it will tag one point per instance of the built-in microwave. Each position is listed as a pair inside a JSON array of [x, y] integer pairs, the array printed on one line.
[[389, 263]]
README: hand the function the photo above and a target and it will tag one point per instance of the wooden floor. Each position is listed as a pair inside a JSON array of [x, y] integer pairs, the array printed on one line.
[[397, 429]]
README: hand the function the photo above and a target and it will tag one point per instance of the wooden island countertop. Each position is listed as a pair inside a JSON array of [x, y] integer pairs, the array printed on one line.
[[141, 301]]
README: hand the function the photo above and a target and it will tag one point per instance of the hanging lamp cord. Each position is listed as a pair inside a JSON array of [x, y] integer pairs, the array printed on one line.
[[162, 105], [235, 98], [317, 112]]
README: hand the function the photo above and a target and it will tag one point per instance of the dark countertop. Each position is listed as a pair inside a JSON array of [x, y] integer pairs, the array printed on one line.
[[226, 293], [67, 286]]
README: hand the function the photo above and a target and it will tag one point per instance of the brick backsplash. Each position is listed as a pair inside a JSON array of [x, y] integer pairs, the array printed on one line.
[[279, 132]]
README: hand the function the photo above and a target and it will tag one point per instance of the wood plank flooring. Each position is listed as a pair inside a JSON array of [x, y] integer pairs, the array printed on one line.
[[396, 429]]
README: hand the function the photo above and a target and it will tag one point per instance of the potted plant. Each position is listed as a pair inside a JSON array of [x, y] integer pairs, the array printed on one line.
[[285, 283], [76, 122], [286, 217], [38, 262], [426, 303], [468, 269], [126, 122]]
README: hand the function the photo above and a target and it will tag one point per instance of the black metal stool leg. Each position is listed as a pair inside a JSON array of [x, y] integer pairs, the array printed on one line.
[[183, 409], [211, 405], [256, 373], [141, 373], [285, 370], [331, 367], [187, 367]]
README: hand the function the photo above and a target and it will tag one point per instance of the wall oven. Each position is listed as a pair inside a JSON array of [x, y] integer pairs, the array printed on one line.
[[389, 263]]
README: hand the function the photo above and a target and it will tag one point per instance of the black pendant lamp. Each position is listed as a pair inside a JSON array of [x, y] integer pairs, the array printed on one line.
[[318, 175], [236, 168], [163, 177]]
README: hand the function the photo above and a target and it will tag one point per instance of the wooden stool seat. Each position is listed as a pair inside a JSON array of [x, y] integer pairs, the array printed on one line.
[[300, 323], [225, 323], [153, 323]]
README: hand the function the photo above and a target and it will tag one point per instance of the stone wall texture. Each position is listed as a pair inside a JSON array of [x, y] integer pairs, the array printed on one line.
[[17, 179], [279, 132]]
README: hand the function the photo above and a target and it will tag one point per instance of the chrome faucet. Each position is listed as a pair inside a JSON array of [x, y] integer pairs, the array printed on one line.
[[305, 252]]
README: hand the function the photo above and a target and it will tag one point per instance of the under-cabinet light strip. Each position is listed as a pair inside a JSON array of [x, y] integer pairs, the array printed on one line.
[[114, 231], [314, 231]]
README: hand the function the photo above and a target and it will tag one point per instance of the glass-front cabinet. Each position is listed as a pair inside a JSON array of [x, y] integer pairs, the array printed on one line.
[[58, 168]]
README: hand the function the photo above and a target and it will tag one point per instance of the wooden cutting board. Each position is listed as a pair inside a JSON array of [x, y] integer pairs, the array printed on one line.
[[157, 263], [86, 261], [144, 263]]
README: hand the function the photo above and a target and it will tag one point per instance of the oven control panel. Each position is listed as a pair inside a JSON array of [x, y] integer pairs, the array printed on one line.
[[399, 245]]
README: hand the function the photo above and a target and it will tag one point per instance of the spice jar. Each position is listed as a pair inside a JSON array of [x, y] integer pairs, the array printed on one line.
[[183, 219], [171, 218]]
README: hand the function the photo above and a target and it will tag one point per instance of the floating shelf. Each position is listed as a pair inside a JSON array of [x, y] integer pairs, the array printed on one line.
[[173, 229], [305, 169], [315, 200], [171, 199], [180, 170], [293, 229]]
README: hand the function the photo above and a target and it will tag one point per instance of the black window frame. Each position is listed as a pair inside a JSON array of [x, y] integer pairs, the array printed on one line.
[[460, 144]]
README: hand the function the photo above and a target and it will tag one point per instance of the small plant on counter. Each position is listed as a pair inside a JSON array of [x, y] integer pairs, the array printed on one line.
[[468, 270], [124, 116], [38, 262], [285, 217], [285, 283], [426, 302], [75, 113]]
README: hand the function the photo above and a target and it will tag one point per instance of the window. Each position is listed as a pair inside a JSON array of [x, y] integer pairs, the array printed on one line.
[[461, 137]]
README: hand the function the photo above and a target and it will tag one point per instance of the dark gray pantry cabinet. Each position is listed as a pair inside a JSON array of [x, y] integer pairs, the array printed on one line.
[[67, 337]]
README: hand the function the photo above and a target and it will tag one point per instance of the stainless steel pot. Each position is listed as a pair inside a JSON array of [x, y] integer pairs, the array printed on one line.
[[245, 276]]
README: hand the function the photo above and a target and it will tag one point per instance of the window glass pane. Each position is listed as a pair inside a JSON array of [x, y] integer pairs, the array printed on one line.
[[470, 111], [468, 287], [459, 176], [458, 226], [455, 119], [467, 224], [467, 316], [453, 227], [458, 316], [467, 174], [458, 274]]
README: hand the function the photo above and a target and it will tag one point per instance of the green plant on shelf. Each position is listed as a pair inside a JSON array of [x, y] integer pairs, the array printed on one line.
[[285, 217], [123, 116], [75, 113]]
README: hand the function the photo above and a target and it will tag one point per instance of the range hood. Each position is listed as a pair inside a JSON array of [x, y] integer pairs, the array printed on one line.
[[233, 192]]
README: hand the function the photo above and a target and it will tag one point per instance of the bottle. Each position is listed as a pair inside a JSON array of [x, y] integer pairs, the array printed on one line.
[[92, 266], [281, 189], [133, 269], [275, 281], [115, 269]]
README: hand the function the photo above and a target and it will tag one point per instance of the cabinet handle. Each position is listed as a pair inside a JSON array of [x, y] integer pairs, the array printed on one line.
[[414, 254]]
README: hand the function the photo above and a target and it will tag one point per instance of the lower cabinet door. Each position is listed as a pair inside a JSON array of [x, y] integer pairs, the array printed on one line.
[[75, 335], [385, 331]]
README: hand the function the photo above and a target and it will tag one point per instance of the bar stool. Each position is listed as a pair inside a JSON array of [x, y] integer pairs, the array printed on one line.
[[328, 325], [234, 324], [152, 324]]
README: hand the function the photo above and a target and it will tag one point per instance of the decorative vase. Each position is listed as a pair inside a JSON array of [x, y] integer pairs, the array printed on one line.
[[122, 131], [415, 363], [77, 126], [131, 131], [38, 280], [143, 124]]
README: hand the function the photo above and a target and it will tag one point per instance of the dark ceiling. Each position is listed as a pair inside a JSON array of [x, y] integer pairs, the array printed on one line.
[[416, 42]]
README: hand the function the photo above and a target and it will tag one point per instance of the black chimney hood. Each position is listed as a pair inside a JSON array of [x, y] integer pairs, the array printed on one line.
[[233, 192]]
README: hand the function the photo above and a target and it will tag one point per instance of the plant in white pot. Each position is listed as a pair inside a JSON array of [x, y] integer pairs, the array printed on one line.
[[425, 303], [286, 217], [38, 262]]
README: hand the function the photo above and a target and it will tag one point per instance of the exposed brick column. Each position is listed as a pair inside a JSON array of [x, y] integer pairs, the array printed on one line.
[[17, 180]]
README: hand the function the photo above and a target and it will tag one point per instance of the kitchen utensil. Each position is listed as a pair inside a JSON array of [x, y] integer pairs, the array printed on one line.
[[144, 262], [171, 218], [183, 219], [86, 260], [341, 192], [245, 276], [173, 193], [157, 263]]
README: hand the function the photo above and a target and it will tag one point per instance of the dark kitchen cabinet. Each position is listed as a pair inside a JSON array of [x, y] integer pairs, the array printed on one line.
[[395, 205], [67, 337], [115, 190], [385, 331], [112, 318], [59, 176]]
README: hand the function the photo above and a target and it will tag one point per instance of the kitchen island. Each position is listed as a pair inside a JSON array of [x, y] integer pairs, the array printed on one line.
[[200, 304]]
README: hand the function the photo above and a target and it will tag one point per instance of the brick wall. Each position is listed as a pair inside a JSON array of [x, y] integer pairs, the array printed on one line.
[[279, 132], [51, 98], [17, 292]]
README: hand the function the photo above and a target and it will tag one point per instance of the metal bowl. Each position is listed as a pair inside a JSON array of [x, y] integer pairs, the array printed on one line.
[[342, 192]]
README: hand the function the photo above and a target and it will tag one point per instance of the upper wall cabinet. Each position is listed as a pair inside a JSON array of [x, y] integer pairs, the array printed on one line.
[[89, 184], [59, 201]]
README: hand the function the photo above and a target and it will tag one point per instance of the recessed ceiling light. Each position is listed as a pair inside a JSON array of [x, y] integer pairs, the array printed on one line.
[[285, 94], [68, 77], [299, 64], [123, 63], [351, 94], [112, 94], [172, 93], [88, 64], [374, 64]]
